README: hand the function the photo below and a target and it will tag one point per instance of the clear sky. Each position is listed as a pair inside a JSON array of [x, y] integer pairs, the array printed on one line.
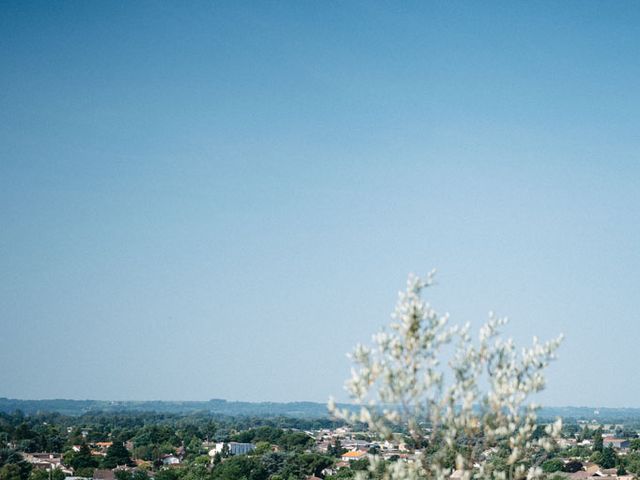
[[219, 199]]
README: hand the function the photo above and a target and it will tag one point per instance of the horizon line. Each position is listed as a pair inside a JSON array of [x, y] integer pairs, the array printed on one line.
[[591, 407]]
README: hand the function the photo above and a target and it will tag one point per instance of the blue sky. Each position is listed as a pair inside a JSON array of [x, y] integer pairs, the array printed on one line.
[[219, 199]]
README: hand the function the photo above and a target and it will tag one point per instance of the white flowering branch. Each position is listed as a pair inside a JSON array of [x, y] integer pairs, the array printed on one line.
[[474, 408]]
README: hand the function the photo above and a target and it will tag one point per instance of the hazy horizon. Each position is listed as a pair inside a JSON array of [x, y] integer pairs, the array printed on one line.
[[219, 200], [346, 402]]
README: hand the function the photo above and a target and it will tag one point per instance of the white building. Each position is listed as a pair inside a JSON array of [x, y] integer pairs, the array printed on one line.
[[170, 460], [235, 448]]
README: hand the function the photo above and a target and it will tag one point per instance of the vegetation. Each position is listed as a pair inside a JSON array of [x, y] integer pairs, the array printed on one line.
[[150, 435], [402, 374]]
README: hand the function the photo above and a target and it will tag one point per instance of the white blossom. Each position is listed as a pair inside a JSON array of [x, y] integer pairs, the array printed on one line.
[[473, 404]]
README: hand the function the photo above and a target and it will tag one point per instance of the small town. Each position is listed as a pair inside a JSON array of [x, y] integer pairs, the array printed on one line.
[[184, 449]]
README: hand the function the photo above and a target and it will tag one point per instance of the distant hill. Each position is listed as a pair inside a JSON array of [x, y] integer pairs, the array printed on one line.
[[599, 414], [215, 406], [265, 409]]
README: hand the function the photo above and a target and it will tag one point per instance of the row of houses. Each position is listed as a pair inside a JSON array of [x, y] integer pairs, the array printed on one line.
[[47, 461]]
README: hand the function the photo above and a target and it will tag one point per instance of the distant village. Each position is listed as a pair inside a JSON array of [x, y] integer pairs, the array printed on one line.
[[586, 449]]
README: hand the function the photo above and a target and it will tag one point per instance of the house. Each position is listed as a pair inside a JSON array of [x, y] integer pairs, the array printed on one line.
[[100, 448], [618, 443], [356, 444], [235, 448], [99, 474], [609, 474], [45, 461], [591, 468], [351, 456], [387, 445], [170, 460], [566, 442], [323, 446]]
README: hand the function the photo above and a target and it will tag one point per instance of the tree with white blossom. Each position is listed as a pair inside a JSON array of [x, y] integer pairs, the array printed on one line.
[[469, 410]]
